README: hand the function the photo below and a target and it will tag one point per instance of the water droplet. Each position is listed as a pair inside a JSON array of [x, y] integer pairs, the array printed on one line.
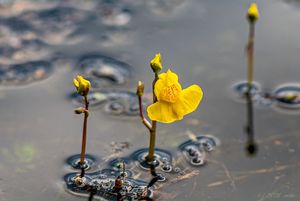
[[197, 161], [177, 169], [166, 168], [191, 150], [161, 177]]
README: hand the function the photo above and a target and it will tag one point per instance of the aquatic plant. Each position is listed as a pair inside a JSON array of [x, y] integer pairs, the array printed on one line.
[[252, 16], [170, 101], [83, 86]]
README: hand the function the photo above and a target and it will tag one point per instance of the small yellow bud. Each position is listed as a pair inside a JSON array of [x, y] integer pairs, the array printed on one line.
[[140, 89], [253, 13], [82, 85], [155, 63]]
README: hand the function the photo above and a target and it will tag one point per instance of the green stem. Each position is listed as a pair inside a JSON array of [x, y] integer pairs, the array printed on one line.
[[150, 157], [83, 145]]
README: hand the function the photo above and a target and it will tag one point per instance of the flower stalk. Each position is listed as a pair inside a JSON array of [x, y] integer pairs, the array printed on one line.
[[156, 66], [150, 156], [150, 126], [83, 86], [84, 131], [250, 51], [252, 16]]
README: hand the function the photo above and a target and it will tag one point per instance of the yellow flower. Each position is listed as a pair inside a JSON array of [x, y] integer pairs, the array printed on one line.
[[173, 102], [82, 85], [253, 13], [155, 63]]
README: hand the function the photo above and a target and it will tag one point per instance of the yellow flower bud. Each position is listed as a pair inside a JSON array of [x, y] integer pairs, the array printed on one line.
[[253, 13], [155, 63], [140, 89], [82, 85]]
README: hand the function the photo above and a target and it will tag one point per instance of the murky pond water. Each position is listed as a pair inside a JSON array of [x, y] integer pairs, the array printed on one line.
[[44, 44]]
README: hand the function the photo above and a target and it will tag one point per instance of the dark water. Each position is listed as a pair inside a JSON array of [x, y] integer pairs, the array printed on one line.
[[44, 44]]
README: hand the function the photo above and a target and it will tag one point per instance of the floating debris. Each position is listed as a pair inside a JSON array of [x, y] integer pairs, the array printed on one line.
[[25, 73], [104, 71], [195, 150], [287, 96]]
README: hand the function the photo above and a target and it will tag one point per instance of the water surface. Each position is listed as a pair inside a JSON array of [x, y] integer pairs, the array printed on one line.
[[203, 41]]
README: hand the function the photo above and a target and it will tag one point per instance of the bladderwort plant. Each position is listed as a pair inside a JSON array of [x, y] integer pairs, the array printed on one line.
[[83, 86], [170, 101], [252, 17]]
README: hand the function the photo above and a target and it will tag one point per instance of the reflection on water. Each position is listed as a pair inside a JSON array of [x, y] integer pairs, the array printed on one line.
[[204, 38], [251, 145]]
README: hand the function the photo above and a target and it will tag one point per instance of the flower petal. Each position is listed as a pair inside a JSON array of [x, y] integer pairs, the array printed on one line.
[[163, 112], [189, 100], [76, 83], [165, 80]]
